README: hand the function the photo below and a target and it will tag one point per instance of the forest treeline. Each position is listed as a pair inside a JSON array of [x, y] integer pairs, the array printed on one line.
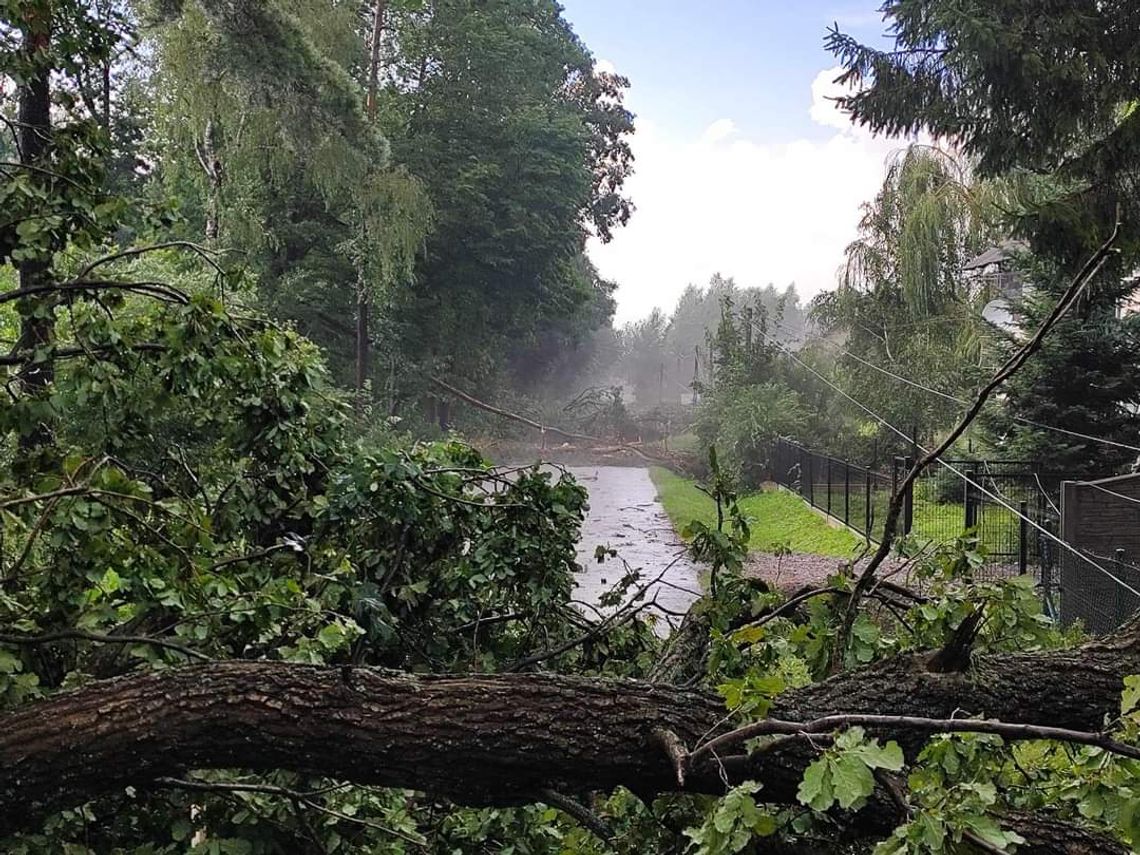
[[951, 271], [409, 184]]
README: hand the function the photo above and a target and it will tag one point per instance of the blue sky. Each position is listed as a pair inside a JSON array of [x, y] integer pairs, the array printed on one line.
[[744, 167], [693, 63]]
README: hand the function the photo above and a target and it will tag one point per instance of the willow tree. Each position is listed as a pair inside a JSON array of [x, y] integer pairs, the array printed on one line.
[[1039, 93], [263, 133], [904, 302]]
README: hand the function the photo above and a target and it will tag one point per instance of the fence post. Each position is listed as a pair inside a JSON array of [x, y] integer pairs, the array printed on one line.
[[1023, 538], [908, 501], [970, 499], [1045, 558], [867, 508], [829, 486], [811, 478], [846, 493]]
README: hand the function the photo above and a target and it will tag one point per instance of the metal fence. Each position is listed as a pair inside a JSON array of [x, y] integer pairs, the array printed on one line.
[[1099, 578], [940, 506], [1013, 507], [1095, 595], [856, 496], [1004, 502]]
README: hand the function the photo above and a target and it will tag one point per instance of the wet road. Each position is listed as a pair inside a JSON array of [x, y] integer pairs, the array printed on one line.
[[625, 516]]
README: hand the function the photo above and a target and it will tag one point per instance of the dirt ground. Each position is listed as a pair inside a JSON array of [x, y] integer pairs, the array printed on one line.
[[799, 570]]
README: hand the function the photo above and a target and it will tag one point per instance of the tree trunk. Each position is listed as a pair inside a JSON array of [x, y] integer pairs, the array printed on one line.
[[1075, 689], [363, 298], [478, 740], [212, 165], [502, 739], [378, 14], [37, 315], [363, 310]]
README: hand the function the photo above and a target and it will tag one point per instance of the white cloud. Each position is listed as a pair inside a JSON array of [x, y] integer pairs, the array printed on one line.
[[718, 131], [759, 212], [824, 111]]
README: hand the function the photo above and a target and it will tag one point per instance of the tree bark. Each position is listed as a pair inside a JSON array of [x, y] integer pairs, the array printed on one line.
[[502, 739], [477, 740], [363, 297], [363, 313], [379, 12], [211, 162], [37, 315]]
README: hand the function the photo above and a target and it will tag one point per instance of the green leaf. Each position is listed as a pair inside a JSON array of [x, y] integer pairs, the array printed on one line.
[[111, 581], [815, 789], [932, 832], [889, 756], [986, 828], [9, 662], [331, 636], [851, 779], [1130, 698]]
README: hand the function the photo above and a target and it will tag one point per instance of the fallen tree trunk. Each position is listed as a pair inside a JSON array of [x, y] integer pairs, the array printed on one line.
[[491, 739], [495, 739], [1075, 688]]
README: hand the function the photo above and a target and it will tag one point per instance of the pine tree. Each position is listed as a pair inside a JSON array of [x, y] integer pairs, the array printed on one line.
[[1042, 94]]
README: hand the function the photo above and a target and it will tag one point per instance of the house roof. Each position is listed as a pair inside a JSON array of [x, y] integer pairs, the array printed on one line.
[[995, 255]]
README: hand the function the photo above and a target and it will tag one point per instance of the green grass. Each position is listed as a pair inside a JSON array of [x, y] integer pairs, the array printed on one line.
[[686, 443], [998, 529], [776, 517]]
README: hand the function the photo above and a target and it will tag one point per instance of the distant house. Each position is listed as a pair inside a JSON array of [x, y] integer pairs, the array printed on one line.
[[1131, 304], [995, 279]]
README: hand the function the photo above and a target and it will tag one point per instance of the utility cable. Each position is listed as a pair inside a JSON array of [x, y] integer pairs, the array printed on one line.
[[1040, 528]]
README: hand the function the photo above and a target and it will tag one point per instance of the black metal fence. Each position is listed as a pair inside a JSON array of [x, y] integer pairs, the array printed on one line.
[[1012, 507], [1003, 502], [856, 496], [1098, 590]]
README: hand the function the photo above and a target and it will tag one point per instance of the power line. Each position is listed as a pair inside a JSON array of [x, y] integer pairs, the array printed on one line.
[[1040, 528], [965, 403]]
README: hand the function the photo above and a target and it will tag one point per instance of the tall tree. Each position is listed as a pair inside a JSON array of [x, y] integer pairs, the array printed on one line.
[[522, 144], [266, 131], [1044, 94], [905, 303]]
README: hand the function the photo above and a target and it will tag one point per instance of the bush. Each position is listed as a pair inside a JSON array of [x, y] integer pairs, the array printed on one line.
[[744, 422]]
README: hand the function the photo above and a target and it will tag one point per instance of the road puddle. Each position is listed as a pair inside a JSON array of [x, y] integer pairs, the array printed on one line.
[[625, 516]]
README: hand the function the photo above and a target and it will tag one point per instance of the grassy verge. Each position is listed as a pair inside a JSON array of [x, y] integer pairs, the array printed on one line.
[[777, 518], [998, 529]]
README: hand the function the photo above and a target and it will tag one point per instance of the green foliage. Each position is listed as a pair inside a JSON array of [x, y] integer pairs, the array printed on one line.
[[503, 115], [747, 405], [224, 505], [844, 775], [1084, 379], [905, 304], [662, 356], [733, 824], [188, 474], [715, 547], [1041, 97]]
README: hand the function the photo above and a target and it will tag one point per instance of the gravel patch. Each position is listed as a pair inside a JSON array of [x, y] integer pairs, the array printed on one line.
[[799, 570]]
